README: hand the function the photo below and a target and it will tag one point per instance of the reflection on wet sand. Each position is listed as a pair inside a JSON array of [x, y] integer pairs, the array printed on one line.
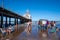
[[36, 34], [15, 33], [33, 34]]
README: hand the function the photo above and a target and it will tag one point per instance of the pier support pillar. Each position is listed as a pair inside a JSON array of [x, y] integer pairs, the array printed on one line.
[[6, 22], [9, 21], [21, 21], [15, 21], [1, 21]]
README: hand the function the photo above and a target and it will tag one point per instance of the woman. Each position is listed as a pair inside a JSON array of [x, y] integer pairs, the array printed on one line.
[[28, 28]]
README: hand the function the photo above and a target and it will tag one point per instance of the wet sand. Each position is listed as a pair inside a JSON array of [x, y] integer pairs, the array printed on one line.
[[14, 34], [34, 35]]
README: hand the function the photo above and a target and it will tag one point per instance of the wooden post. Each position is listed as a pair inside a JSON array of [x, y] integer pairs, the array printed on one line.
[[1, 20]]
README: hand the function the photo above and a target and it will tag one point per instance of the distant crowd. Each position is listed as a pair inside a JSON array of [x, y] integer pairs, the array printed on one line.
[[49, 27], [45, 25]]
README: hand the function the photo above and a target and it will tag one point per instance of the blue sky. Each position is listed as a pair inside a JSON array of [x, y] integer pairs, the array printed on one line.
[[39, 9]]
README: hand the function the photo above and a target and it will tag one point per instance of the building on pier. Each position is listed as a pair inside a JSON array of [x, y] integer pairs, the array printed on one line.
[[27, 14]]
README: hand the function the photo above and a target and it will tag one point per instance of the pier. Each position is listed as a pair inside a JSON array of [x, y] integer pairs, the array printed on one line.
[[7, 28], [8, 14]]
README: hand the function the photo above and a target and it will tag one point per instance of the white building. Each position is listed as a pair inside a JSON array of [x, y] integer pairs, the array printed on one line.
[[27, 15]]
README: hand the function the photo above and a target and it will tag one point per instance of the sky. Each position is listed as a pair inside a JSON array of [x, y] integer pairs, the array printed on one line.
[[39, 9]]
